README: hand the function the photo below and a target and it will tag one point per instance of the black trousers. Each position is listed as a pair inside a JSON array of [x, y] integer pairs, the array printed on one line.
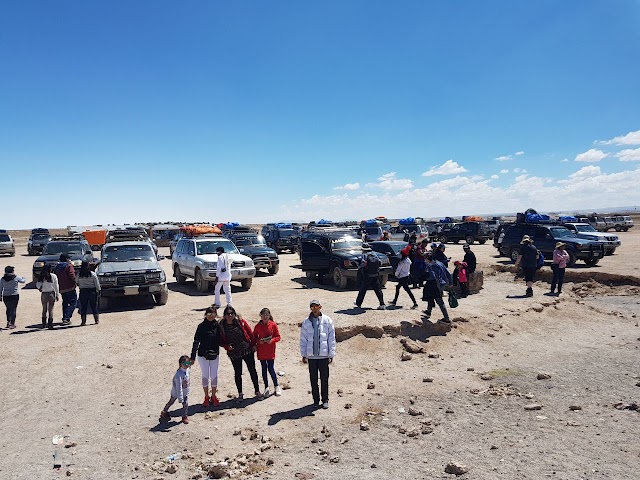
[[249, 359], [404, 283], [558, 277], [319, 365], [88, 297], [369, 282], [11, 303]]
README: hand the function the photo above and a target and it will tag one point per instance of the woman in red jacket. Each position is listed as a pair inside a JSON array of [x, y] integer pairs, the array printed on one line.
[[266, 335], [237, 339]]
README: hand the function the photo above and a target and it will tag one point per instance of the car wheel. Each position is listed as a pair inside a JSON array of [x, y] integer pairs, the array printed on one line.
[[618, 228], [310, 275], [469, 240], [161, 298], [625, 229], [246, 283], [339, 280], [181, 279], [514, 253], [201, 284], [443, 239], [592, 261], [273, 270], [278, 251], [572, 259], [481, 242], [103, 303], [383, 280], [611, 252]]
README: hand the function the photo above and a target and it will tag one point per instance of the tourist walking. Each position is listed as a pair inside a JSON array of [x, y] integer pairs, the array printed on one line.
[[180, 387], [560, 259], [528, 260], [436, 277], [403, 276], [10, 294], [67, 283], [369, 272], [223, 277], [237, 338], [47, 284], [206, 344], [89, 285], [317, 348], [266, 335]]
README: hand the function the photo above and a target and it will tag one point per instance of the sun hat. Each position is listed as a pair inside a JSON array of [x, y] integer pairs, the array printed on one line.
[[560, 244], [525, 239]]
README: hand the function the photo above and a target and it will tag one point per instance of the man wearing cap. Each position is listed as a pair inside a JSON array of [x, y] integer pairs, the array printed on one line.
[[560, 259], [10, 293], [528, 259], [317, 349], [67, 284], [223, 277], [469, 258], [402, 274]]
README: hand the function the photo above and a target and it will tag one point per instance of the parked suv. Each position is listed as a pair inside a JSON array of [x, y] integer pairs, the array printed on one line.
[[281, 236], [196, 258], [586, 231], [253, 245], [545, 238], [6, 244], [467, 231], [37, 240], [130, 268], [76, 247], [622, 223], [336, 252]]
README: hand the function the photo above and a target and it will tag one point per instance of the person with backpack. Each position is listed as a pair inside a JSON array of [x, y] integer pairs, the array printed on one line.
[[437, 276], [370, 273], [528, 259], [67, 284]]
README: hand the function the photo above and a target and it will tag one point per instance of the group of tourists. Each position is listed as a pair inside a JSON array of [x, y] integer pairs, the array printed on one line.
[[531, 259], [423, 266], [243, 344], [61, 281]]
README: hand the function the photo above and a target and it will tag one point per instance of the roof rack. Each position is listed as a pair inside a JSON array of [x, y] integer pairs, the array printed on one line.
[[72, 238]]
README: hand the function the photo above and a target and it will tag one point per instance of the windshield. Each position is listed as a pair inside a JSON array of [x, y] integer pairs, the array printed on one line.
[[4, 238], [209, 247], [40, 236], [560, 232], [397, 247], [585, 228], [245, 241], [287, 232], [346, 243], [126, 253], [55, 248]]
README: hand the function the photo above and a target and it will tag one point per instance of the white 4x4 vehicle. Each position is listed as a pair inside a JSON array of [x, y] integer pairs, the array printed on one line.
[[586, 231], [196, 258]]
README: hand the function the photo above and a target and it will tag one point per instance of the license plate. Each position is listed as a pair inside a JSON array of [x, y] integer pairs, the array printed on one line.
[[596, 254], [131, 290]]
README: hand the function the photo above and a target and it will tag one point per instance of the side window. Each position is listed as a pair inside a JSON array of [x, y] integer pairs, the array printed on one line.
[[191, 249], [311, 247], [180, 246]]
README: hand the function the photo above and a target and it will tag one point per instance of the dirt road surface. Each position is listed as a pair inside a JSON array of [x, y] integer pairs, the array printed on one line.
[[472, 398]]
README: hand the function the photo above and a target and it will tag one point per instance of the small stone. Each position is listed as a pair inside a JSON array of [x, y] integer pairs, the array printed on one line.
[[243, 437], [448, 410], [434, 355], [68, 473], [314, 440], [109, 365], [575, 407], [237, 431], [343, 440], [455, 468], [543, 376], [402, 430], [270, 461], [414, 412], [339, 392], [493, 447], [373, 465], [371, 386], [70, 445], [471, 369], [486, 376], [253, 436], [264, 439], [426, 430], [171, 468], [405, 356], [347, 406], [364, 426], [334, 459], [427, 380], [491, 335], [533, 406]]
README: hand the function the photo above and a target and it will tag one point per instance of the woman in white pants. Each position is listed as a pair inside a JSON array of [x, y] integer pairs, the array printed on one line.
[[206, 343], [223, 275]]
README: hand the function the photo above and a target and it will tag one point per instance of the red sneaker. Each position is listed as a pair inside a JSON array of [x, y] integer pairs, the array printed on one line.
[[185, 419], [215, 401], [206, 402], [165, 416]]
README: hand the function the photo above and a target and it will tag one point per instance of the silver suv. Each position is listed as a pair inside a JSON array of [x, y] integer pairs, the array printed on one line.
[[131, 268], [6, 244], [196, 258], [586, 231]]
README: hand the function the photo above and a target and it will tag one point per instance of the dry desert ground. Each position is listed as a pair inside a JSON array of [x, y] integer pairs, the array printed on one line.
[[472, 398]]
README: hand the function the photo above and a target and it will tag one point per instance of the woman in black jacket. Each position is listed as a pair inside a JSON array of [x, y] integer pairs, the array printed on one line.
[[206, 343]]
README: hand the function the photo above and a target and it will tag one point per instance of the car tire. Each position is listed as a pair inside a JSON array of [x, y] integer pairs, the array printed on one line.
[[611, 252], [469, 240], [618, 228], [591, 262], [103, 303], [273, 270], [180, 279], [161, 298], [572, 259], [278, 251], [339, 279], [481, 242], [443, 239], [514, 253], [625, 229], [246, 283], [201, 284]]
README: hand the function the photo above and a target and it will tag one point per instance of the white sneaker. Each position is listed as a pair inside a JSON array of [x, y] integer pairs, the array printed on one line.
[[266, 393], [278, 391], [380, 307]]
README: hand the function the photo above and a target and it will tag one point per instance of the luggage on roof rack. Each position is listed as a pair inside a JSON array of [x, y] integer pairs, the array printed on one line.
[[407, 221], [536, 218], [567, 218], [196, 230]]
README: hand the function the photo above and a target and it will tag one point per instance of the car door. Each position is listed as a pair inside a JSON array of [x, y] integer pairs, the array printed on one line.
[[190, 256], [178, 256], [314, 256], [543, 240]]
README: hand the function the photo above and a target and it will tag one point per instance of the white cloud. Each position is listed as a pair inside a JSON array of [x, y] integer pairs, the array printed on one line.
[[348, 186], [521, 152], [592, 155], [504, 170], [503, 158], [519, 170], [631, 138], [629, 155], [388, 181], [564, 160], [495, 177], [447, 168], [587, 171]]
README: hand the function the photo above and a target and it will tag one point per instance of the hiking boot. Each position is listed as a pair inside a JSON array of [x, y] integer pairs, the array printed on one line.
[[529, 292]]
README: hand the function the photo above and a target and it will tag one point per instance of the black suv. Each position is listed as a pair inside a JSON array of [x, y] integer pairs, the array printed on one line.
[[37, 240], [467, 231], [77, 248], [338, 253], [253, 245], [545, 238], [281, 237]]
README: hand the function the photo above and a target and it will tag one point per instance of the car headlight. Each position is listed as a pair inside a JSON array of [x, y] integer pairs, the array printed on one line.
[[210, 265], [273, 255], [579, 246], [159, 275], [248, 263], [38, 264], [77, 263]]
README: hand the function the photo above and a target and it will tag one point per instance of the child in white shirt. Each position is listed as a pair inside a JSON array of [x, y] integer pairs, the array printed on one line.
[[179, 390]]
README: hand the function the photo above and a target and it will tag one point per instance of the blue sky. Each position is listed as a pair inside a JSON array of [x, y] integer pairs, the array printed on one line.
[[253, 111]]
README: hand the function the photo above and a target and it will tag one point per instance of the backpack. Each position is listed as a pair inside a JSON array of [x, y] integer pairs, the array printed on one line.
[[372, 265], [540, 260]]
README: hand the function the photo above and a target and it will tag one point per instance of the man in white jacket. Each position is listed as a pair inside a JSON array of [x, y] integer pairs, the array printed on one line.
[[223, 276], [317, 348]]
